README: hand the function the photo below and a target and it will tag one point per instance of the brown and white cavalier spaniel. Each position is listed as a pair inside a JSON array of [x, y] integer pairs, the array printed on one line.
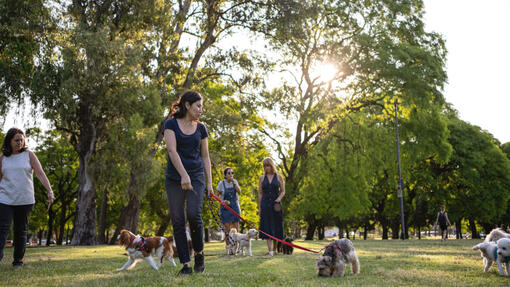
[[144, 248]]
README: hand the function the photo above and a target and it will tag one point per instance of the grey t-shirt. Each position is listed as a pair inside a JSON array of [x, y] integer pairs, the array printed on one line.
[[227, 185]]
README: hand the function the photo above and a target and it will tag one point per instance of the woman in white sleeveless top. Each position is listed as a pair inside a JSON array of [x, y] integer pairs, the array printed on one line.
[[17, 191]]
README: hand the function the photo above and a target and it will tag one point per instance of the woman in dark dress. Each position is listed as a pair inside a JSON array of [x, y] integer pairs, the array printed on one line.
[[271, 192]]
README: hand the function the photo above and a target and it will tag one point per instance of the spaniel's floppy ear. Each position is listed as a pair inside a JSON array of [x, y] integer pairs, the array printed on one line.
[[124, 237]]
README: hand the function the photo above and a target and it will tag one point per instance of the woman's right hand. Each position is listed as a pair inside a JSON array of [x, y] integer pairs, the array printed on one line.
[[186, 183]]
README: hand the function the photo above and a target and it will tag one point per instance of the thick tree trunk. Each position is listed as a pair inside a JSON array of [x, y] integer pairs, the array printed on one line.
[[128, 218], [51, 215], [419, 232], [385, 231], [458, 229], [320, 232], [340, 232], [84, 232], [102, 217], [206, 234], [85, 221], [295, 229], [310, 230], [395, 229], [40, 235], [474, 231], [163, 226], [62, 223]]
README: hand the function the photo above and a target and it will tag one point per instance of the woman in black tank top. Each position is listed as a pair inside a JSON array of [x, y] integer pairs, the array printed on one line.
[[443, 222]]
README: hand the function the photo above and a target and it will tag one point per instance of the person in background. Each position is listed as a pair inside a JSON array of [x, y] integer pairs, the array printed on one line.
[[271, 192], [444, 222], [17, 165], [229, 191]]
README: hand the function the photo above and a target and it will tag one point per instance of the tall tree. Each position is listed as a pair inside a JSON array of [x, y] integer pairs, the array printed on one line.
[[23, 26], [60, 163], [381, 52], [478, 175], [173, 65], [89, 75]]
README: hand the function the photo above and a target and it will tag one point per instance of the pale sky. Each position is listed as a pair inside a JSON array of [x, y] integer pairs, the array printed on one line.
[[477, 37]]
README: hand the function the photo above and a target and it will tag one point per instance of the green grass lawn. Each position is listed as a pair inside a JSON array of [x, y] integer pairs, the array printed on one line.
[[383, 263]]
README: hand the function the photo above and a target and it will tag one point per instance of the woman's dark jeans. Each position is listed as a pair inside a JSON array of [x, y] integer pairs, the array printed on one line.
[[180, 201], [19, 214]]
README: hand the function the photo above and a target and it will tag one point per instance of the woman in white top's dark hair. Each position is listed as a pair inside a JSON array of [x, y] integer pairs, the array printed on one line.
[[6, 146], [17, 164]]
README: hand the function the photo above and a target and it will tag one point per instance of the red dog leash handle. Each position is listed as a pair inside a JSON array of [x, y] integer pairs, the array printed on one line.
[[251, 225]]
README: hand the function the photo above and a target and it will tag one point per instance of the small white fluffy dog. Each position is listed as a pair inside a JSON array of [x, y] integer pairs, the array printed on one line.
[[498, 252], [497, 234], [243, 241], [336, 256], [144, 248]]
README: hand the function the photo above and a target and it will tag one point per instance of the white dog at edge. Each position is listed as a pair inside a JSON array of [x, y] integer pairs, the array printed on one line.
[[498, 252]]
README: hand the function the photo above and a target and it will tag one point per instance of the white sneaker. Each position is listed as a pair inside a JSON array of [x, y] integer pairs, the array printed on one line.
[[271, 253]]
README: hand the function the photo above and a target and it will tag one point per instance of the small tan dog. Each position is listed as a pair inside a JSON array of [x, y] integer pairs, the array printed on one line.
[[243, 241], [144, 248], [335, 257]]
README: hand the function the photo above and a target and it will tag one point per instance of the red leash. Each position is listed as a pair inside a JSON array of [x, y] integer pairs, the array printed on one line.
[[251, 225]]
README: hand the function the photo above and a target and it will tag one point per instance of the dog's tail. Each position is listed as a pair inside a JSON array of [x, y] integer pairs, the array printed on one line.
[[168, 251], [232, 231], [481, 246]]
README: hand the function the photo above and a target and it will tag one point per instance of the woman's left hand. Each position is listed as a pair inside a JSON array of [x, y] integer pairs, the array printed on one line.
[[51, 198]]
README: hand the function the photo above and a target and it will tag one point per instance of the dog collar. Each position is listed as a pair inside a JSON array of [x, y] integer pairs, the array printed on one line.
[[506, 259]]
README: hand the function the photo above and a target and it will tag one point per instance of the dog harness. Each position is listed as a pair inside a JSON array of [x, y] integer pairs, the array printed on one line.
[[335, 249], [507, 258], [140, 245]]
